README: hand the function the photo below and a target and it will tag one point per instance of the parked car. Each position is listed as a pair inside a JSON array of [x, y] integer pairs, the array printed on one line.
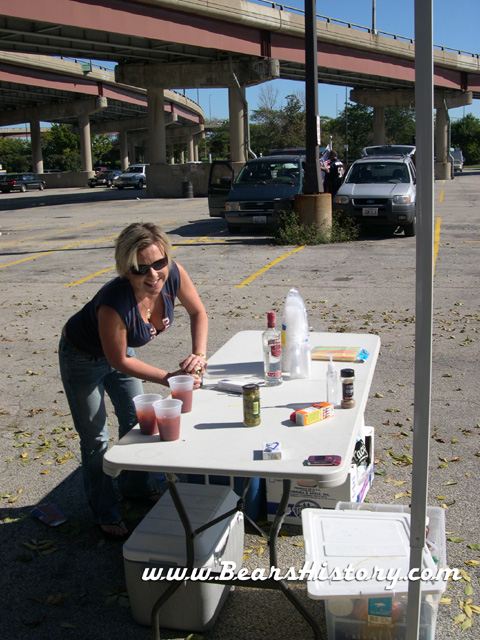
[[134, 176], [262, 188], [390, 150], [103, 178], [219, 184], [458, 159], [20, 182], [380, 191]]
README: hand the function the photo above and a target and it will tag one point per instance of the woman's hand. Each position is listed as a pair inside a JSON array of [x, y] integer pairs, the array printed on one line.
[[197, 380], [194, 364]]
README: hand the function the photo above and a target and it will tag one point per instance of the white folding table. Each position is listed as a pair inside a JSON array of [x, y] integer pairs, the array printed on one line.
[[214, 440]]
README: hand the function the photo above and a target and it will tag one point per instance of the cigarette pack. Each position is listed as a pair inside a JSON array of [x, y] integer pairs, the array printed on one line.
[[234, 385], [49, 514], [315, 413], [272, 451]]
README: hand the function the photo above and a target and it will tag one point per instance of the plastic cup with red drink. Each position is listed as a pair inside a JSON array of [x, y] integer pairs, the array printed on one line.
[[168, 418], [146, 413], [181, 388]]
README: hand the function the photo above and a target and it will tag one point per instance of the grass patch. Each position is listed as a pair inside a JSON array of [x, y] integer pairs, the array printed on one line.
[[289, 231]]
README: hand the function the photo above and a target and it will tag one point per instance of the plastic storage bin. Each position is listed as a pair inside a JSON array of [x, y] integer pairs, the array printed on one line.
[[367, 536], [159, 542]]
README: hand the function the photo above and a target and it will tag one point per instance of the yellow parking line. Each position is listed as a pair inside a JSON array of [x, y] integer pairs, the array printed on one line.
[[43, 235], [267, 267], [436, 241], [441, 196], [93, 275], [45, 253], [98, 273]]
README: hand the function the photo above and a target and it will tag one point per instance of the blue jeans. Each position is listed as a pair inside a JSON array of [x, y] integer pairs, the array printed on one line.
[[85, 379]]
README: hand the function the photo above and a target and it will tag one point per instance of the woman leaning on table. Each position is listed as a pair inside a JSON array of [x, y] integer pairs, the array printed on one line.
[[97, 354]]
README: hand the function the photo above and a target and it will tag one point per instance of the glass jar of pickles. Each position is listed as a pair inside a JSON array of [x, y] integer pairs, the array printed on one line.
[[251, 405]]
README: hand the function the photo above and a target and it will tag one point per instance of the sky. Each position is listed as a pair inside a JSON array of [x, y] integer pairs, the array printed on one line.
[[455, 25]]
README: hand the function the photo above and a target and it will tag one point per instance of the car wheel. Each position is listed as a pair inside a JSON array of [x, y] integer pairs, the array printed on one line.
[[140, 184], [119, 186], [91, 186], [411, 229], [23, 188], [41, 187]]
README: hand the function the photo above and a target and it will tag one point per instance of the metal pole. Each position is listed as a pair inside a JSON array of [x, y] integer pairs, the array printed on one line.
[[374, 16], [424, 299], [346, 128], [313, 179]]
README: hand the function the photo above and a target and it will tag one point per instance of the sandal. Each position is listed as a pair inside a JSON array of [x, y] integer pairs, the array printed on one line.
[[114, 530]]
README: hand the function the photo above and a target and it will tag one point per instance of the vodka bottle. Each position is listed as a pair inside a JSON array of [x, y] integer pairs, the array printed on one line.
[[272, 352]]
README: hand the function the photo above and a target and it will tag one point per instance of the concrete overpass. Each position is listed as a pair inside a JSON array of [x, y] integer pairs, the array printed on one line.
[[40, 88], [162, 44]]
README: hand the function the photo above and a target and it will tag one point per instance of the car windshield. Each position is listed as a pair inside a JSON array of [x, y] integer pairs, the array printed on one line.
[[134, 169], [380, 172], [270, 172]]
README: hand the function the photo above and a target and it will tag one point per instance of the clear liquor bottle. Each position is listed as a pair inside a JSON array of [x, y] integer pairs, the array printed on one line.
[[272, 352]]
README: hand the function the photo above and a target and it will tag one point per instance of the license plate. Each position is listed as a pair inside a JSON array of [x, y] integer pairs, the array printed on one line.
[[259, 219], [370, 211]]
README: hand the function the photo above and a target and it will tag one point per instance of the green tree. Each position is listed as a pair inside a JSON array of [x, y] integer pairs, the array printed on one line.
[[466, 135], [265, 132], [15, 155], [218, 141], [102, 147], [293, 123], [360, 128], [399, 126], [61, 148]]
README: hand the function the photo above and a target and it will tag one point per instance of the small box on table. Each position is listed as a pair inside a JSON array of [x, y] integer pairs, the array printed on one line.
[[158, 542]]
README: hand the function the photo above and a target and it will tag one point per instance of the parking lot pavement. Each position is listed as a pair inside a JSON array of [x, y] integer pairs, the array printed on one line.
[[57, 250]]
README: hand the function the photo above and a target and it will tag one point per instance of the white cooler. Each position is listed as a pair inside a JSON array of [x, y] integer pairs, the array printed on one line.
[[367, 537], [159, 542]]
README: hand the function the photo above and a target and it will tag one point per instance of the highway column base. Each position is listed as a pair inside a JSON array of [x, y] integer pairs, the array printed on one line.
[[315, 210]]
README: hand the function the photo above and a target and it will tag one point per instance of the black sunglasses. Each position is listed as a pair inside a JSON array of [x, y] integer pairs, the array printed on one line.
[[143, 269]]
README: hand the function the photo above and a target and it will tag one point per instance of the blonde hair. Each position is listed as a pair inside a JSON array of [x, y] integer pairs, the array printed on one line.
[[134, 238]]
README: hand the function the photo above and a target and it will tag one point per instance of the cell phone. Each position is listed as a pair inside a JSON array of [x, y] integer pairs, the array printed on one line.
[[324, 461]]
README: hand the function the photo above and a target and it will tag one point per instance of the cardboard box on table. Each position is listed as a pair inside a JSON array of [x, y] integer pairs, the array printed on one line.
[[158, 542], [306, 494]]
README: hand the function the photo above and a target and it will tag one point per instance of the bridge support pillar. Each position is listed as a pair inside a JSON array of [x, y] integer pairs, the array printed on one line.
[[37, 158], [131, 157], [157, 151], [190, 148], [122, 139], [85, 143], [378, 125], [443, 168], [237, 115]]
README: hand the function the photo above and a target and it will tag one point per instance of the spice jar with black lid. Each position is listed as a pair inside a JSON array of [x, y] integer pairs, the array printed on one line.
[[347, 377]]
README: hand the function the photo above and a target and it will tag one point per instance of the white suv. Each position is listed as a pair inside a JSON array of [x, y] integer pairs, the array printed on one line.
[[134, 176], [380, 191]]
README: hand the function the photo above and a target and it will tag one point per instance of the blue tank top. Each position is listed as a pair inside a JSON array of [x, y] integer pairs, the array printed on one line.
[[82, 328]]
